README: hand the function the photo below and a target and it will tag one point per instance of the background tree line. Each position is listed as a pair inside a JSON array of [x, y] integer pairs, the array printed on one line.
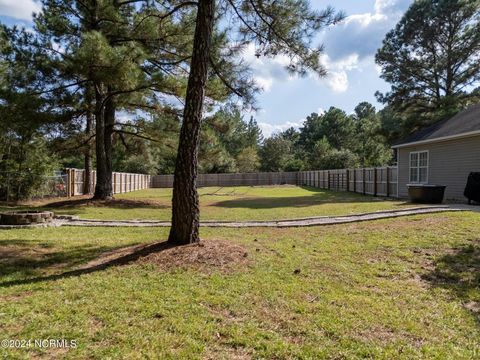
[[332, 140]]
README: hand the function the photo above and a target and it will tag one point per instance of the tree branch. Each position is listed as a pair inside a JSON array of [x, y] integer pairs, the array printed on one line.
[[224, 81]]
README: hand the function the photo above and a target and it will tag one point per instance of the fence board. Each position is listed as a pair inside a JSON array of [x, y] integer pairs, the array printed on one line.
[[121, 182], [381, 181]]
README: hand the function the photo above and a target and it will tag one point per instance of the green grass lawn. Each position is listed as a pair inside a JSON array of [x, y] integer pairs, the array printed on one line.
[[401, 288], [234, 203]]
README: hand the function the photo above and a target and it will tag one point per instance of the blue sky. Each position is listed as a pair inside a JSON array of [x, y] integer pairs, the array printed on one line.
[[286, 101]]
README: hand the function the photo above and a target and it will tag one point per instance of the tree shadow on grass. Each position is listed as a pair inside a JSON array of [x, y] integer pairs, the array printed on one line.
[[31, 265], [114, 203], [296, 201], [459, 272]]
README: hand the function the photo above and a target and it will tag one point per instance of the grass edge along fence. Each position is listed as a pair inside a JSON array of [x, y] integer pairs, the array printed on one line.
[[121, 182], [376, 181]]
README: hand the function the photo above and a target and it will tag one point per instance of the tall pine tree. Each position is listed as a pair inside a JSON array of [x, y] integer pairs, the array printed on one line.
[[432, 60]]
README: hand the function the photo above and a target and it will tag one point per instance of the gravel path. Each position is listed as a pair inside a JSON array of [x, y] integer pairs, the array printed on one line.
[[312, 221]]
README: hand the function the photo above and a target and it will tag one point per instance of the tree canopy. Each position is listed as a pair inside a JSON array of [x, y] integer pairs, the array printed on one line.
[[432, 61]]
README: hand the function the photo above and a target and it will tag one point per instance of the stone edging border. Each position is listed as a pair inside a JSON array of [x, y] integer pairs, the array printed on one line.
[[67, 220]]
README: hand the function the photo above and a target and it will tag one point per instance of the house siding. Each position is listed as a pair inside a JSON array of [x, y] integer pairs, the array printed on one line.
[[450, 162]]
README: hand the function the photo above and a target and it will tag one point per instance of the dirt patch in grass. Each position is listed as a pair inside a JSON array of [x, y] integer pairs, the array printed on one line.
[[51, 353], [16, 297], [95, 324], [425, 222], [226, 352], [383, 336], [9, 252], [208, 255]]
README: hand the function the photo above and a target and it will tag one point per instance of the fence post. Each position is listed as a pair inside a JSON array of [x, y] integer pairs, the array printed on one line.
[[364, 190], [348, 179], [328, 176], [72, 179], [68, 183], [84, 180], [375, 182], [354, 180], [387, 190]]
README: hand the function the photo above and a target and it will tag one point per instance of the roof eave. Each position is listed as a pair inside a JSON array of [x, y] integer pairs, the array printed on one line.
[[439, 139]]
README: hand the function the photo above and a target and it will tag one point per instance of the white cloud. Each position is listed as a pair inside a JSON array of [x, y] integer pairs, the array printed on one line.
[[353, 44], [364, 33], [338, 81], [269, 129], [337, 78], [348, 63], [391, 6], [364, 20], [264, 83], [19, 9]]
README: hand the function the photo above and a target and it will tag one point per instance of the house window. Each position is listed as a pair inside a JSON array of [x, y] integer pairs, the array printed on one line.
[[419, 167]]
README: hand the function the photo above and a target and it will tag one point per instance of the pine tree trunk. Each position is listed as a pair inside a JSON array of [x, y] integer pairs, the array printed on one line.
[[109, 115], [87, 184], [103, 188], [185, 206]]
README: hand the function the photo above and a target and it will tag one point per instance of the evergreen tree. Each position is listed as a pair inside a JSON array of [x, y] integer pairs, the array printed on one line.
[[431, 60], [24, 120], [275, 153], [227, 141], [248, 160], [335, 126], [370, 145]]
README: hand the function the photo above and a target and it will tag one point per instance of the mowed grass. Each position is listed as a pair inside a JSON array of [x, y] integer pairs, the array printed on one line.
[[406, 288], [233, 203]]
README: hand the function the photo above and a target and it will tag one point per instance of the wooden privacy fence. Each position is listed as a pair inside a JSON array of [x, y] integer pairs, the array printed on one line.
[[377, 181], [244, 179], [121, 182]]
